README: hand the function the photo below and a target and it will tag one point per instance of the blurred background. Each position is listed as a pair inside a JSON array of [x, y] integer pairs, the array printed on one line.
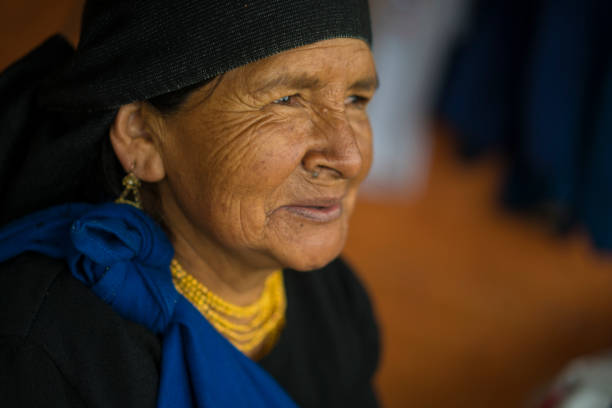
[[484, 232]]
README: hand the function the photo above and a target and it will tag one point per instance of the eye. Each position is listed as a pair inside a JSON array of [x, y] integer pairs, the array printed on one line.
[[357, 101], [287, 100]]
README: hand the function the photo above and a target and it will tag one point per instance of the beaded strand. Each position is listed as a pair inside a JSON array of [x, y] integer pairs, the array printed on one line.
[[265, 317]]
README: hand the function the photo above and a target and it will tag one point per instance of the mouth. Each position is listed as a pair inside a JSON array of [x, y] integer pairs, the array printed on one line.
[[319, 210]]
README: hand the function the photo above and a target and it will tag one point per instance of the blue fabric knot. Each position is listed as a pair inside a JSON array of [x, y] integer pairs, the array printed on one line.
[[117, 250]]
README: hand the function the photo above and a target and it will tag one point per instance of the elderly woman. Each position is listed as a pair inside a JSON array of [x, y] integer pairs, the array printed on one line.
[[240, 132]]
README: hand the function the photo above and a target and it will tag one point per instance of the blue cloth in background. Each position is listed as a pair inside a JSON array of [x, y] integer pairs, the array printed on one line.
[[124, 257], [596, 206], [529, 79]]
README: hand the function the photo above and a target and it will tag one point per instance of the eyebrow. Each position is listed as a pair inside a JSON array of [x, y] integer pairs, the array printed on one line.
[[293, 82], [310, 82], [366, 84]]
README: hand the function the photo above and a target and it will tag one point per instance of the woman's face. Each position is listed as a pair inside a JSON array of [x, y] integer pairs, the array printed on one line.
[[239, 164]]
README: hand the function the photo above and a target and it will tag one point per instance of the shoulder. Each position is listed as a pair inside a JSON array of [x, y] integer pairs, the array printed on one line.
[[81, 341], [25, 282]]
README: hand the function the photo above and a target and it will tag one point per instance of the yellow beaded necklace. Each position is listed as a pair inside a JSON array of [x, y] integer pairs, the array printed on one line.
[[246, 327]]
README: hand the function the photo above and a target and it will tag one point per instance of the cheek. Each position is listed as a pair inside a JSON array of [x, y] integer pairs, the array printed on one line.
[[237, 148], [230, 176], [262, 155]]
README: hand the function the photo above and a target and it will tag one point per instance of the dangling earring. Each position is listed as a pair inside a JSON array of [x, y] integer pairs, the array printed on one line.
[[132, 188]]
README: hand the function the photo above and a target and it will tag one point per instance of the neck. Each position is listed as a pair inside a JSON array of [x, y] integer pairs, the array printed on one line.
[[219, 272]]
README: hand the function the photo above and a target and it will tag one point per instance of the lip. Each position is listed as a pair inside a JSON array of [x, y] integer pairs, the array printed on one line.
[[319, 210]]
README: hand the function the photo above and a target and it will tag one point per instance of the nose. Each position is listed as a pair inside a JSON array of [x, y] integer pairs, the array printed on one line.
[[335, 152]]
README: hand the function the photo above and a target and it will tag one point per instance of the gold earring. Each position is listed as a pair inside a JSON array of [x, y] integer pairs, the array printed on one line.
[[132, 188]]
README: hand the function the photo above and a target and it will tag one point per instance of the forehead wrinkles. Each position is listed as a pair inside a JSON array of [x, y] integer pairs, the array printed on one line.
[[310, 68]]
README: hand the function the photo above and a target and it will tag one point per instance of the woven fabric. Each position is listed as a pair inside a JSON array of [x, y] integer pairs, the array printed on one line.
[[138, 49]]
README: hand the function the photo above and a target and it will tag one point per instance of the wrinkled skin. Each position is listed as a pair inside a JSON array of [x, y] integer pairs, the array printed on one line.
[[236, 183]]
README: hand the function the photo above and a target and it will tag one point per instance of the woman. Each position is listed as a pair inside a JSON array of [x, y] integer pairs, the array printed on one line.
[[245, 123]]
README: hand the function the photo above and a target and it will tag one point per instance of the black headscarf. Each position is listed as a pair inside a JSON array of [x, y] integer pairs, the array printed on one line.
[[58, 103]]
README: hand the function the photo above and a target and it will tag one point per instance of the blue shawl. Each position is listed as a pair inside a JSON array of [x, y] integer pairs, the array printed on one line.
[[123, 256]]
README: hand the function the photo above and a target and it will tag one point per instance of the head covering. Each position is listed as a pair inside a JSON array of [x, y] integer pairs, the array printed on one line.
[[59, 103], [135, 50]]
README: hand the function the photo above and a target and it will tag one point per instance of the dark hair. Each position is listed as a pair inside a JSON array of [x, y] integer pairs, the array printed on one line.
[[170, 102]]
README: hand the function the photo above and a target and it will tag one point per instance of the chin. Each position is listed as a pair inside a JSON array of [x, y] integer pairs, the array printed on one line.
[[311, 264], [303, 245], [312, 253]]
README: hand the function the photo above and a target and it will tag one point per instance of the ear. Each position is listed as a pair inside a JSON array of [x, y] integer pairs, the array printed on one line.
[[133, 136]]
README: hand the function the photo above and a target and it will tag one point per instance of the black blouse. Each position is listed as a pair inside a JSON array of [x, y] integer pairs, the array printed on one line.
[[61, 346]]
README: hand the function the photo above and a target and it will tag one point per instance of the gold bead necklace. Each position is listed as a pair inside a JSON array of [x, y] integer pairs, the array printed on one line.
[[246, 327]]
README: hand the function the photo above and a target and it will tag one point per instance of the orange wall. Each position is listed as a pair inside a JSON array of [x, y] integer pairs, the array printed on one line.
[[478, 308]]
